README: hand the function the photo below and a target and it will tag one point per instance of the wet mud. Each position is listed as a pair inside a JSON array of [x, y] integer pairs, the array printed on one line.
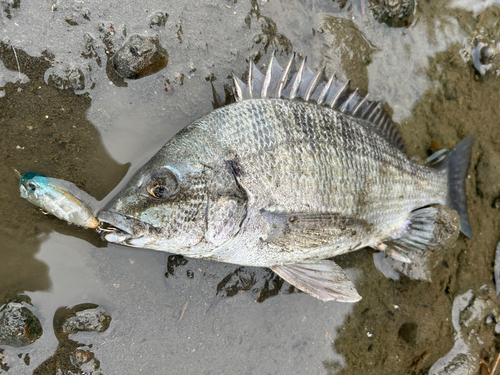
[[444, 116], [71, 116]]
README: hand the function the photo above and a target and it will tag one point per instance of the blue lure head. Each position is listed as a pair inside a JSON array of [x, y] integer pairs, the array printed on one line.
[[29, 184]]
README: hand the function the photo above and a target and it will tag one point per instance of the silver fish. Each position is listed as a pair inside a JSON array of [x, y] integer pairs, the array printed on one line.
[[59, 198], [299, 169]]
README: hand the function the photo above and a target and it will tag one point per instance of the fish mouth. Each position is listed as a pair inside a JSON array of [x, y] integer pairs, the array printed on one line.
[[122, 228]]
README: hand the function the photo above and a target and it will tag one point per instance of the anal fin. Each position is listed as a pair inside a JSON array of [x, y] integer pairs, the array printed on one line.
[[394, 251], [322, 279]]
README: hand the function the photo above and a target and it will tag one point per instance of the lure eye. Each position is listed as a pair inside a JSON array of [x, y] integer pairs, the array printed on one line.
[[163, 185], [31, 186]]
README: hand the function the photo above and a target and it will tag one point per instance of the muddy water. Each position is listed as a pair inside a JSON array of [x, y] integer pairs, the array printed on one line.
[[65, 113]]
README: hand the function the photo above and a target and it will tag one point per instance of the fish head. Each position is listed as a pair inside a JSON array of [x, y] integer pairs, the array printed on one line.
[[162, 207]]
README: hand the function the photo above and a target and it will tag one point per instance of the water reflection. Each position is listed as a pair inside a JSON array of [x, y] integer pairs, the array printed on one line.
[[43, 129]]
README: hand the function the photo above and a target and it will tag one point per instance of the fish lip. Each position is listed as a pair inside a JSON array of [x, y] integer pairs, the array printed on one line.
[[128, 226]]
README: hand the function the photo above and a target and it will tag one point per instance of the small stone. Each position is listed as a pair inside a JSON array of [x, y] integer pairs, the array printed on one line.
[[394, 13], [80, 356], [18, 325], [64, 77], [139, 57], [84, 359], [483, 57], [496, 203], [158, 19], [87, 320]]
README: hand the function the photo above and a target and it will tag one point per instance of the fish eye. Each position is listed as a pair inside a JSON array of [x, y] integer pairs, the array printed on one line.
[[31, 186], [163, 185], [160, 192]]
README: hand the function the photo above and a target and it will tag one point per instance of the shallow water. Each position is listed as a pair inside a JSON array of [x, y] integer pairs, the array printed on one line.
[[178, 315]]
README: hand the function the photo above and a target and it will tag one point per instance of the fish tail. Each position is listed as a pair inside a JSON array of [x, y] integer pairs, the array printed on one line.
[[457, 163]]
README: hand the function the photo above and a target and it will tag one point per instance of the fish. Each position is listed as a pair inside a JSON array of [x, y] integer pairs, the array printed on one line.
[[300, 169], [60, 198]]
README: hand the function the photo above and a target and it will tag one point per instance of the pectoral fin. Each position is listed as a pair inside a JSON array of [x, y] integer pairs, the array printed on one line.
[[322, 279], [306, 230]]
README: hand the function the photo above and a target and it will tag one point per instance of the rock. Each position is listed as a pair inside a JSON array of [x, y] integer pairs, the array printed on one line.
[[473, 313], [270, 37], [483, 49], [72, 357], [261, 282], [484, 56], [496, 203], [64, 77], [93, 319], [18, 325], [84, 359], [139, 57], [394, 13], [158, 19], [173, 262], [468, 313], [459, 361], [9, 7]]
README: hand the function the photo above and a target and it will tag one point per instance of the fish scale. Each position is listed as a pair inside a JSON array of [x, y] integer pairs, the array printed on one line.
[[288, 162]]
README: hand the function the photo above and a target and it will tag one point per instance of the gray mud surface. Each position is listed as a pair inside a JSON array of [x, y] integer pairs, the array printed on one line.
[[65, 113]]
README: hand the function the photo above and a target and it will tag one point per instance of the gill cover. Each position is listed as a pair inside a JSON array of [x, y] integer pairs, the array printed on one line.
[[178, 206]]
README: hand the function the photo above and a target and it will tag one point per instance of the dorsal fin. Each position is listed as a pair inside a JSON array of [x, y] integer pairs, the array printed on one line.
[[313, 87]]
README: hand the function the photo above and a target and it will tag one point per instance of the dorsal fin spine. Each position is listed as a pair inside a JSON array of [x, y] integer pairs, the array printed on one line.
[[345, 106], [237, 89], [324, 93], [358, 107], [379, 117], [339, 93], [298, 77], [284, 76], [375, 113], [368, 111], [310, 86], [250, 79], [267, 78], [313, 84]]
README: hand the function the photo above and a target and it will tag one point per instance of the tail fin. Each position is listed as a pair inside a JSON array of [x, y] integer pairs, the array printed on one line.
[[457, 162]]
